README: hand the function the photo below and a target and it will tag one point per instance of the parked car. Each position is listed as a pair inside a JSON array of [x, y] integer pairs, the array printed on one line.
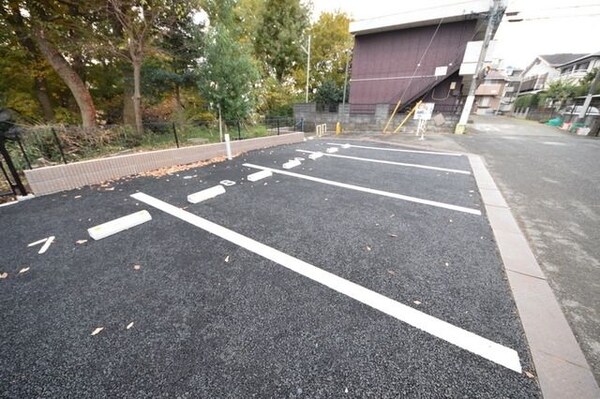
[[575, 110]]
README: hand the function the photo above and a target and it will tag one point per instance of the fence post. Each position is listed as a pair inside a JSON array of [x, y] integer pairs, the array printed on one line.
[[302, 124], [239, 130], [13, 171], [175, 134], [23, 152], [62, 154], [277, 126]]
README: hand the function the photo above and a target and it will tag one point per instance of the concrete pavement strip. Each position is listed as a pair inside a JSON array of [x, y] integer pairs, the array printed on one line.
[[562, 370]]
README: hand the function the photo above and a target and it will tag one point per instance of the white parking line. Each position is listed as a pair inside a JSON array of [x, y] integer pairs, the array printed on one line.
[[450, 154], [467, 340], [370, 190], [410, 165]]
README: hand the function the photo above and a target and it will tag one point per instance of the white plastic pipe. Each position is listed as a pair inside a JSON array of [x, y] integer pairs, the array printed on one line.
[[206, 194], [118, 225], [228, 146]]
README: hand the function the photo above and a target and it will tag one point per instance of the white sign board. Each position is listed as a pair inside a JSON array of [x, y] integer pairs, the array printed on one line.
[[424, 111], [469, 63], [441, 71]]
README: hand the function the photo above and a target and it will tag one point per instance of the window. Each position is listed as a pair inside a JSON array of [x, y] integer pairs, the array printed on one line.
[[582, 66]]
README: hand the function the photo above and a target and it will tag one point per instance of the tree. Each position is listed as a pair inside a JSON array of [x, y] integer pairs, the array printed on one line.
[[227, 74], [279, 36], [38, 27], [584, 84], [329, 93], [331, 48], [561, 91], [137, 19]]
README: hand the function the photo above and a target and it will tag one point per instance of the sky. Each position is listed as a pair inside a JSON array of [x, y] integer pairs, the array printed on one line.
[[554, 26]]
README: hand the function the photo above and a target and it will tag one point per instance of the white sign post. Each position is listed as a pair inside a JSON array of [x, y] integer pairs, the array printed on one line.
[[423, 113]]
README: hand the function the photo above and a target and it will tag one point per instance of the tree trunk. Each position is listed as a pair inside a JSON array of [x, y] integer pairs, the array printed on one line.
[[137, 94], [178, 97], [69, 76], [40, 88]]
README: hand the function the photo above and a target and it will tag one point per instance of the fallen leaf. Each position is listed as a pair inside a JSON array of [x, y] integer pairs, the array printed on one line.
[[530, 375], [130, 325], [97, 330], [227, 259], [391, 272], [4, 275], [81, 241], [393, 235], [368, 248], [24, 270], [417, 302], [137, 267]]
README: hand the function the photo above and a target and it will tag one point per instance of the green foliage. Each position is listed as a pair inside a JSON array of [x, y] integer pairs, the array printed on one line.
[[331, 48], [228, 74], [528, 101], [584, 84], [561, 91], [329, 93], [280, 35]]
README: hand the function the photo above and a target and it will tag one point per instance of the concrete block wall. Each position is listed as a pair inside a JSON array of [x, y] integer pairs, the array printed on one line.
[[374, 122], [57, 178]]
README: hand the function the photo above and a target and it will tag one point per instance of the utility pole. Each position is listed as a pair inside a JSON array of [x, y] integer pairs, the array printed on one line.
[[496, 13], [307, 52], [588, 98], [345, 79]]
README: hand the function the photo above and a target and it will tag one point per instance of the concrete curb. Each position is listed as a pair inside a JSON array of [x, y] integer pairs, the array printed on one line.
[[561, 367]]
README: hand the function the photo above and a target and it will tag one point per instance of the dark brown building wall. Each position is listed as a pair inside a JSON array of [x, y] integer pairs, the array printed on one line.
[[384, 62]]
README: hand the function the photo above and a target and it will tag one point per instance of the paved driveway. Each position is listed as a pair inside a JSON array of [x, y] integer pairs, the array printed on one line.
[[373, 273], [551, 180]]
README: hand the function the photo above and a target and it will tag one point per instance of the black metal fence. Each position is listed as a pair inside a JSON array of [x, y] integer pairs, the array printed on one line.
[[40, 146]]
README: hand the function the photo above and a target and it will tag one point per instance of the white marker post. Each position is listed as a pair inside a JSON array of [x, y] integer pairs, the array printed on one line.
[[259, 175], [206, 194], [228, 146], [118, 225]]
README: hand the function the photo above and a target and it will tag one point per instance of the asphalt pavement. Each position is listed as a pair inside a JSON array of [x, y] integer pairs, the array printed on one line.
[[213, 318], [550, 179]]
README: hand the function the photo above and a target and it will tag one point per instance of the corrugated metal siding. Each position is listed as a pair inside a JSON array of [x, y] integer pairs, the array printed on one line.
[[384, 62]]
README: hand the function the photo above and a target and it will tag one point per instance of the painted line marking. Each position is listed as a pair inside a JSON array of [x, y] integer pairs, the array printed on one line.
[[553, 143], [37, 242], [46, 241], [464, 339], [411, 165], [46, 245], [450, 154], [369, 190]]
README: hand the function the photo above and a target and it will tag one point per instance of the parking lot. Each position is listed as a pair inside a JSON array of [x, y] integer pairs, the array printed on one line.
[[370, 271]]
